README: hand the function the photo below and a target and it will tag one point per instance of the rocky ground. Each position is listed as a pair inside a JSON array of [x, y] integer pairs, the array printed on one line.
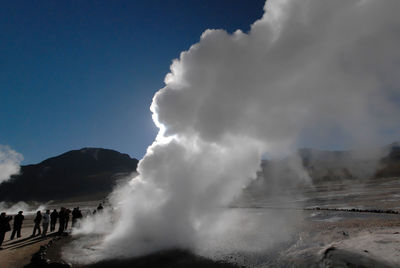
[[342, 225], [362, 240], [324, 239]]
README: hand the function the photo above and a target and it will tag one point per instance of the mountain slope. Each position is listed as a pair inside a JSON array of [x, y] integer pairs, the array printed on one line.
[[77, 173]]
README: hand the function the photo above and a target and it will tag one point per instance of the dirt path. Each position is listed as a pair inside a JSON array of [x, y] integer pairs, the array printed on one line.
[[18, 252]]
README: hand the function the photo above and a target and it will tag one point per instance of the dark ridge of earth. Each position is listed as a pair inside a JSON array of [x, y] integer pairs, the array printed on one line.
[[74, 174], [174, 258], [171, 259]]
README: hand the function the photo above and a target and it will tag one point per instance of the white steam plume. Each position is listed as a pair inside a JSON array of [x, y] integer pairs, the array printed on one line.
[[9, 162], [13, 208], [307, 68]]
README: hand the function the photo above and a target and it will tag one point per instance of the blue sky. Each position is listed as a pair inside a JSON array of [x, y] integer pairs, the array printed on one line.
[[79, 74]]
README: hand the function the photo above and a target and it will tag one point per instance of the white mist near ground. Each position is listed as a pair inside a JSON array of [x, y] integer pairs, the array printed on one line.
[[13, 208], [9, 162], [317, 69]]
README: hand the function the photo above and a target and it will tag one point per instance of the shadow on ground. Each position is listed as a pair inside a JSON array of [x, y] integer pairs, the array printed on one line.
[[30, 240], [170, 259]]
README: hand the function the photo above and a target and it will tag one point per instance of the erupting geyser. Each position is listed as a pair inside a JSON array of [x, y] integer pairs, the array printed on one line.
[[9, 162], [312, 68]]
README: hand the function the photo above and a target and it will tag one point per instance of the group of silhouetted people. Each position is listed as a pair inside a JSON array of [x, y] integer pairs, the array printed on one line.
[[62, 216], [41, 222], [41, 219]]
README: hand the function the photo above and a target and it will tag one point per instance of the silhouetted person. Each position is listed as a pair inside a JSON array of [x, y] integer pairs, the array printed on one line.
[[18, 219], [76, 215], [61, 218], [79, 213], [4, 226], [37, 221], [53, 220], [74, 218], [45, 222], [67, 212], [100, 208]]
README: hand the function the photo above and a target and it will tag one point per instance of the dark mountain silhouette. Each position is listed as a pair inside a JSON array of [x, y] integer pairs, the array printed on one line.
[[74, 174]]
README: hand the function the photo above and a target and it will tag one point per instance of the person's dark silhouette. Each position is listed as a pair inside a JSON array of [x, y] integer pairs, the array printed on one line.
[[4, 226], [76, 215], [53, 220], [37, 221], [100, 208], [45, 222], [61, 217], [18, 219], [67, 212], [79, 213]]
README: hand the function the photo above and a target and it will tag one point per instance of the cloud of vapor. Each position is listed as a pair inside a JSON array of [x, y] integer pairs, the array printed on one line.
[[13, 208], [306, 68], [9, 162]]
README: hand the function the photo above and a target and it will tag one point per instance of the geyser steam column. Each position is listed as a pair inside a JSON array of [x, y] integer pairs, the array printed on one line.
[[9, 162], [306, 65]]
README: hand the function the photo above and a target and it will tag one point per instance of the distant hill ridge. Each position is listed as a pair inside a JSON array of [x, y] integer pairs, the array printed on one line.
[[332, 165], [88, 172], [91, 173], [324, 165]]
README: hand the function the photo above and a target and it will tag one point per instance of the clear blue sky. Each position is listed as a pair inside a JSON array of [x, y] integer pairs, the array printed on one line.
[[79, 74]]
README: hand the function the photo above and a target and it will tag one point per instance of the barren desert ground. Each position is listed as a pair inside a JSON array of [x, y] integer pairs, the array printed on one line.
[[341, 224]]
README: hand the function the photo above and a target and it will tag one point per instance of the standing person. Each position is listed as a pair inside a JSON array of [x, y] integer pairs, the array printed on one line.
[[18, 219], [61, 217], [79, 216], [100, 208], [74, 216], [45, 222], [37, 221], [67, 212], [4, 226], [53, 220]]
